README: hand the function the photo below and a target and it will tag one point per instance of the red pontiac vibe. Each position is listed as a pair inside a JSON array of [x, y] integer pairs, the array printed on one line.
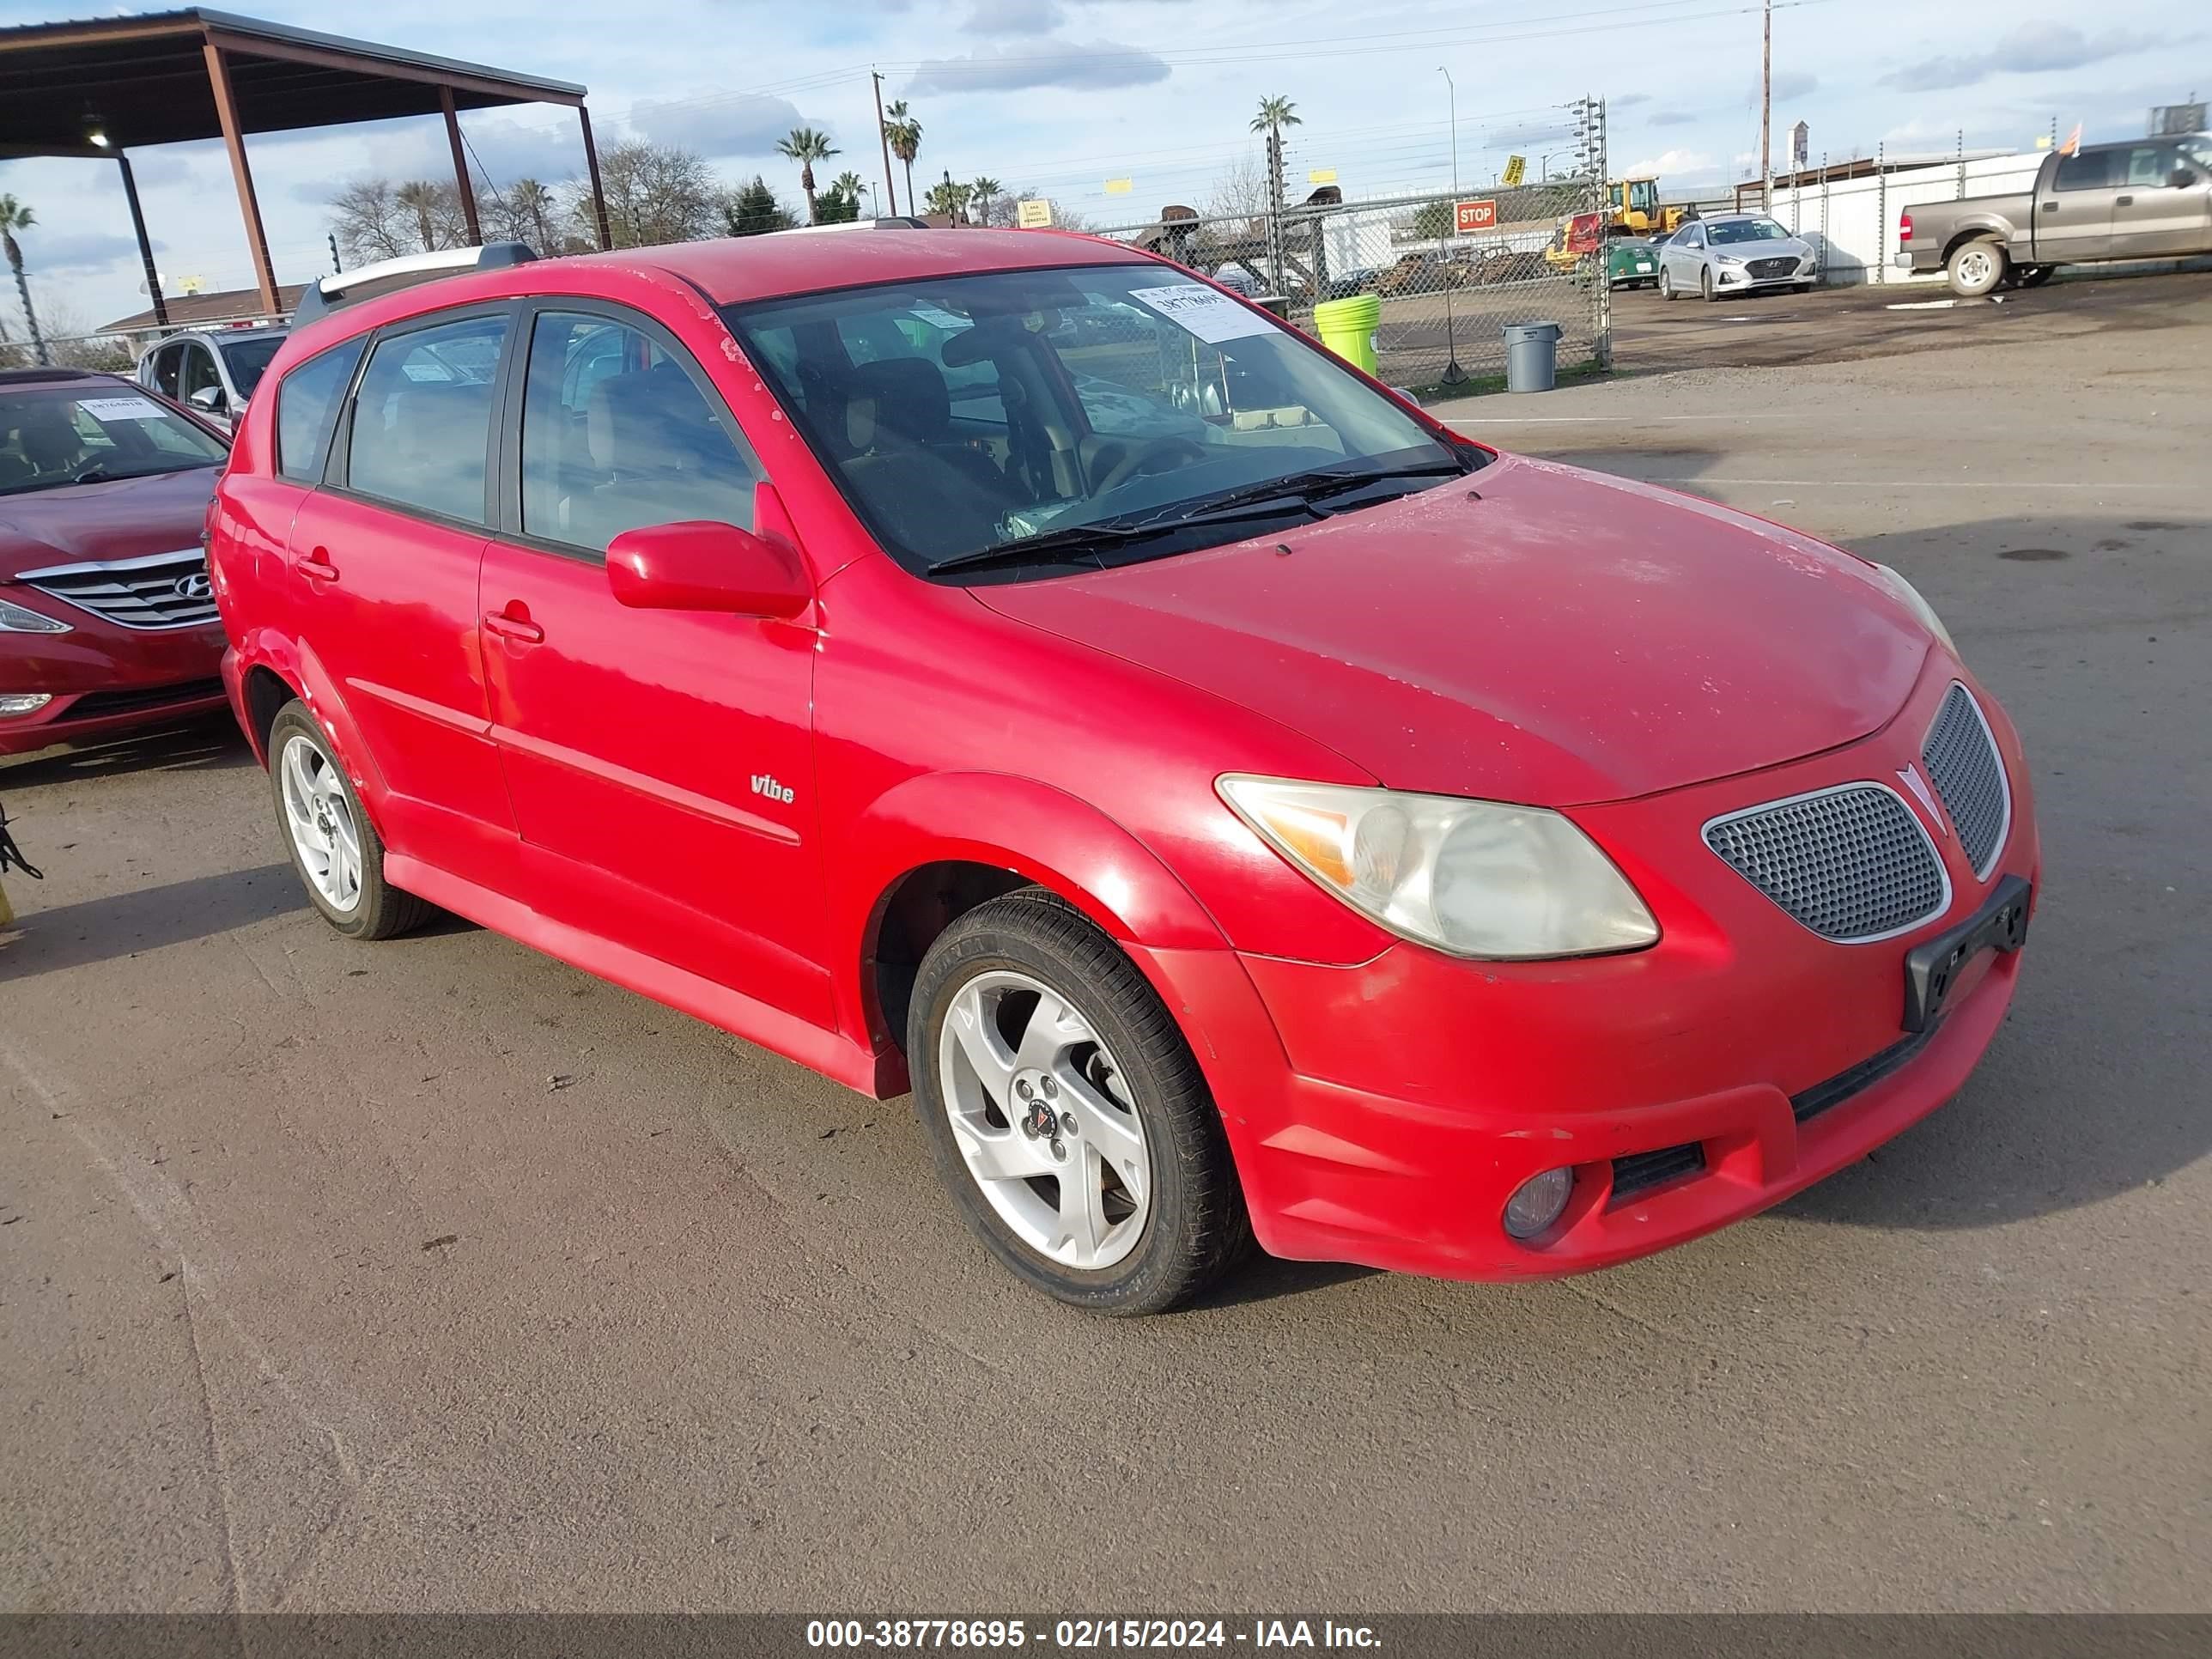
[[1006, 665], [105, 618]]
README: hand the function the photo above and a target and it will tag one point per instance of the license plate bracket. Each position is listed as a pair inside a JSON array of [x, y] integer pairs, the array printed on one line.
[[1933, 968]]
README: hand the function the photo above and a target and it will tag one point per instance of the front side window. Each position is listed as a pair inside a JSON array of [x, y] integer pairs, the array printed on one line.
[[618, 435], [198, 372], [247, 356], [1037, 420], [1644, 196], [91, 432], [166, 361], [1694, 236], [306, 408], [421, 420], [1730, 232]]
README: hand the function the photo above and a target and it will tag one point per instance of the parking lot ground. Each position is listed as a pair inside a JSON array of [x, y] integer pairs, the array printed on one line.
[[434, 1274]]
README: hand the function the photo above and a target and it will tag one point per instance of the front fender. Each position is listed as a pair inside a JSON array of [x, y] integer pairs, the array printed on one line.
[[1042, 834]]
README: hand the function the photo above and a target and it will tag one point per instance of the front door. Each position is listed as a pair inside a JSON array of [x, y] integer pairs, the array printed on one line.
[[383, 560], [2152, 214], [661, 762]]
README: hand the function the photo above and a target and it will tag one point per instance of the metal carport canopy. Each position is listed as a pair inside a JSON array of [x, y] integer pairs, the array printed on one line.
[[167, 77]]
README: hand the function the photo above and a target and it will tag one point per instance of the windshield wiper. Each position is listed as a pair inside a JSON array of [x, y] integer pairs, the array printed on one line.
[[1089, 538], [1314, 486]]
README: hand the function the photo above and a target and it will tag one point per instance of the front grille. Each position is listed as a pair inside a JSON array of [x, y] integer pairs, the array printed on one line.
[[164, 590], [1850, 863], [98, 703], [1639, 1172], [1961, 758], [1856, 1080], [1764, 268]]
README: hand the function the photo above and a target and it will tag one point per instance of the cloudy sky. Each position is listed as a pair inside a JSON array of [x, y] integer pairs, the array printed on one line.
[[1065, 94]]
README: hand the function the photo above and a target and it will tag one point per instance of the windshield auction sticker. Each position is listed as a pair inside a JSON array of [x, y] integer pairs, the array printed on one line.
[[121, 409], [1207, 312]]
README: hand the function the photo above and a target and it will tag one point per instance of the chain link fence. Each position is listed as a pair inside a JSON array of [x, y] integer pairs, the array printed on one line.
[[1451, 269]]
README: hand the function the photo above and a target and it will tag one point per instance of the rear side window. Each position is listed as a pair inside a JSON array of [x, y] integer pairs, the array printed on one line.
[[307, 404], [423, 417], [2090, 170]]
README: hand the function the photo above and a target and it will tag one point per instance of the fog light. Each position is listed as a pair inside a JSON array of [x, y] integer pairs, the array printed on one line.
[[23, 703], [1536, 1203]]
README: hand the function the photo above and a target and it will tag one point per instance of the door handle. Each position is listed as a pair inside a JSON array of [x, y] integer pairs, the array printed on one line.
[[519, 628], [2050, 207], [2124, 201], [317, 567]]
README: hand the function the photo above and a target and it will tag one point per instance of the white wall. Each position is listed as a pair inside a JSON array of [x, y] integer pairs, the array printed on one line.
[[1854, 221]]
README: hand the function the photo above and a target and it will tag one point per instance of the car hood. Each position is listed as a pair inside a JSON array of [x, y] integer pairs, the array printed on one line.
[[1786, 247], [123, 518], [1532, 632]]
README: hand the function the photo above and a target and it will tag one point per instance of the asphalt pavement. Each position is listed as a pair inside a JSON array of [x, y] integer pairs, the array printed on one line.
[[436, 1275]]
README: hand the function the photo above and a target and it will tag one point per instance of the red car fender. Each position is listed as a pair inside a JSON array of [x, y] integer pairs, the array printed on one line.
[[1040, 833], [304, 675]]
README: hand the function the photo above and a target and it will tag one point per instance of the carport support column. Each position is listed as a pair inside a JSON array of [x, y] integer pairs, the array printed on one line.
[[592, 166], [234, 140], [461, 167], [145, 248]]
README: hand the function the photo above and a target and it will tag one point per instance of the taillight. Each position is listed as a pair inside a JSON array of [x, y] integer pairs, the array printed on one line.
[[1905, 225]]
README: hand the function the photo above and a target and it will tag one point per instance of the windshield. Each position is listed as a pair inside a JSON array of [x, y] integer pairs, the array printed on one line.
[[976, 418], [87, 432], [247, 356], [1725, 231]]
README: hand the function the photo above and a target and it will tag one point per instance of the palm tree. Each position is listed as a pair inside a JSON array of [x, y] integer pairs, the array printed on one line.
[[532, 206], [948, 198], [1275, 114], [850, 185], [903, 133], [14, 216], [420, 197], [805, 146], [986, 192]]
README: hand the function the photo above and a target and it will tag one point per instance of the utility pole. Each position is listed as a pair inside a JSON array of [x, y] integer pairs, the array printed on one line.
[[1446, 270], [880, 133], [1766, 114]]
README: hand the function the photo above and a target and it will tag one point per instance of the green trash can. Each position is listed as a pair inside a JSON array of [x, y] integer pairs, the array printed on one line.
[[1347, 328]]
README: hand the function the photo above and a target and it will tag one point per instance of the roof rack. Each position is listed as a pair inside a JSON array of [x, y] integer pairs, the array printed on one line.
[[327, 295], [886, 222]]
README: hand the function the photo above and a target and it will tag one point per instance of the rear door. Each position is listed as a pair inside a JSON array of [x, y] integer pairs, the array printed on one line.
[[661, 762], [383, 562], [2152, 214], [2074, 207]]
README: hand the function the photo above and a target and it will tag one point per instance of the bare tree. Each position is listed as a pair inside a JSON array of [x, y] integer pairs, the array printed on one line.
[[527, 211], [654, 193], [377, 219], [1240, 190]]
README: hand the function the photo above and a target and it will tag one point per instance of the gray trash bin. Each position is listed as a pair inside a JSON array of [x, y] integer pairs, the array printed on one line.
[[1532, 356]]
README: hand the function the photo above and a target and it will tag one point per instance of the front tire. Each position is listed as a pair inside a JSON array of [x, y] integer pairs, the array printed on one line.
[[1069, 1121], [1666, 287], [1976, 268], [1705, 285], [335, 848]]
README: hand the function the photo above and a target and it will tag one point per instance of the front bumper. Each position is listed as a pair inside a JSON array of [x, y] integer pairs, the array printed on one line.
[[104, 679], [1741, 281], [1383, 1113]]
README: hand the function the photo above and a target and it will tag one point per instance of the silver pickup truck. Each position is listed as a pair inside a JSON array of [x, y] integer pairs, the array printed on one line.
[[2145, 199]]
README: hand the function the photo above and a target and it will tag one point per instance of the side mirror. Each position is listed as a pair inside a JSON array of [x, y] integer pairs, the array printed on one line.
[[700, 565], [2182, 177], [208, 400]]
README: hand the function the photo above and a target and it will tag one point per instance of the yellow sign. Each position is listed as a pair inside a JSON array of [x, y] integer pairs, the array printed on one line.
[[1033, 216], [1118, 187], [1321, 176], [1516, 169]]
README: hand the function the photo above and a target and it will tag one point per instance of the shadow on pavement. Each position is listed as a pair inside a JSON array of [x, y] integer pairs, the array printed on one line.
[[101, 929], [211, 743]]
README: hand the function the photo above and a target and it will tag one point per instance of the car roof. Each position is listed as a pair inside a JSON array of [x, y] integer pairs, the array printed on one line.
[[733, 268]]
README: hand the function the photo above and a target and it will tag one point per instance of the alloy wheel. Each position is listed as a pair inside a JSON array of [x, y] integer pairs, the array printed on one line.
[[320, 820], [1044, 1120]]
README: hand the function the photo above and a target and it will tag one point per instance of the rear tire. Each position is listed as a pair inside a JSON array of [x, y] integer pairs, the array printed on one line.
[[1976, 268], [2037, 276], [334, 847], [1022, 998]]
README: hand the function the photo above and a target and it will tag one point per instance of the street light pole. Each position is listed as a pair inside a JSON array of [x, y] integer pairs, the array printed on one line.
[[1453, 373]]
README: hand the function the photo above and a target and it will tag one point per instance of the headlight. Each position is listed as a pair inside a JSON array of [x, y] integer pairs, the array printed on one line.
[[14, 619], [1920, 607], [1476, 878], [1726, 260]]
